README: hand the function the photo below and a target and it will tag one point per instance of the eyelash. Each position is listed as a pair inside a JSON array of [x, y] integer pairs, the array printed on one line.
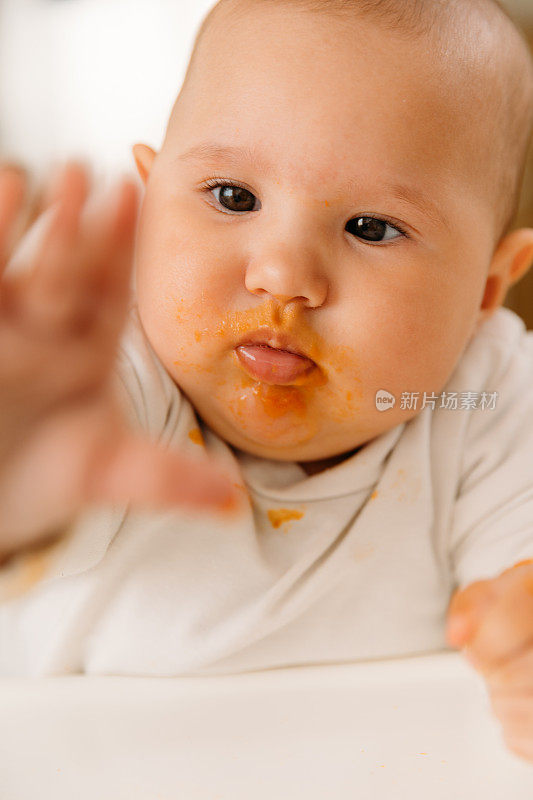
[[214, 183]]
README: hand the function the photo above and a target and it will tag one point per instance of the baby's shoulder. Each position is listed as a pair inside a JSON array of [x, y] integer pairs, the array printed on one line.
[[493, 382], [499, 351], [504, 325]]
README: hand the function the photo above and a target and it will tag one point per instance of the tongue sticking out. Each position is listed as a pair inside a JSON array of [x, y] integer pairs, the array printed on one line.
[[272, 366]]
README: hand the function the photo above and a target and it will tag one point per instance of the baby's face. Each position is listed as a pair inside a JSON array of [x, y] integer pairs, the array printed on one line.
[[338, 126]]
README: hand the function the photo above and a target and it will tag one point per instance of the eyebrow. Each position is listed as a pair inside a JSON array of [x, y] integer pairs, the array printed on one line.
[[233, 156]]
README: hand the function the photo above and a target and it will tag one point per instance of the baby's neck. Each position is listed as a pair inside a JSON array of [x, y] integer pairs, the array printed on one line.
[[312, 467]]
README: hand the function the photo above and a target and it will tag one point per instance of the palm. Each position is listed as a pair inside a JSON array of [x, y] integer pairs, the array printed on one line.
[[60, 322], [63, 439]]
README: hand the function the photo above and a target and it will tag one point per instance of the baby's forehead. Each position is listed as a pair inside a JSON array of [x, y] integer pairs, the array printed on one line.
[[475, 59], [428, 65], [460, 32], [472, 41]]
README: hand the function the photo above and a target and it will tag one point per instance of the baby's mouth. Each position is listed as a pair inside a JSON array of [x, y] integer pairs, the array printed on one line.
[[273, 365]]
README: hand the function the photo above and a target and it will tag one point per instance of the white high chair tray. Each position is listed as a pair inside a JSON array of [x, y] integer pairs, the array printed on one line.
[[400, 729]]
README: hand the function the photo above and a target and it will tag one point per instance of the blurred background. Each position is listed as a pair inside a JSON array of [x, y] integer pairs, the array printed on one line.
[[90, 78]]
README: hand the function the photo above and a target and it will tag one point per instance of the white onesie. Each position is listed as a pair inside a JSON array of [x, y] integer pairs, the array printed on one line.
[[356, 562]]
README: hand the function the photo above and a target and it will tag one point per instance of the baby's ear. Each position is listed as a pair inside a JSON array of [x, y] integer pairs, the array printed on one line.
[[519, 247], [144, 158], [511, 261]]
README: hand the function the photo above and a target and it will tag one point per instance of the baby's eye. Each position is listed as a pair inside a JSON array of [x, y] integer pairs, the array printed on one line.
[[372, 229], [235, 198], [232, 196]]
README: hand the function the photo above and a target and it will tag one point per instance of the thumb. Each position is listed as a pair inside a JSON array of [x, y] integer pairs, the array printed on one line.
[[466, 610], [133, 469]]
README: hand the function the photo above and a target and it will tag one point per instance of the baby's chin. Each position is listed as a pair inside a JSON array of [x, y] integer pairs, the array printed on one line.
[[279, 438], [244, 425]]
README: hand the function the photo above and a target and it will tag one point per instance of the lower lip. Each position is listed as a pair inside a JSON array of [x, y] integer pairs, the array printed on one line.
[[273, 366]]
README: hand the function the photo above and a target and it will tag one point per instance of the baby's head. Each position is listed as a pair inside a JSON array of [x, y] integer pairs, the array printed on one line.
[[377, 149]]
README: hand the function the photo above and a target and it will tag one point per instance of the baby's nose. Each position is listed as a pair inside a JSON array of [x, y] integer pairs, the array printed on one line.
[[301, 287]]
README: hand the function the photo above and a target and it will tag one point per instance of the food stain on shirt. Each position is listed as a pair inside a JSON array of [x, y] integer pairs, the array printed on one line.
[[362, 551], [410, 486], [400, 479], [196, 436], [278, 516], [374, 495], [25, 570]]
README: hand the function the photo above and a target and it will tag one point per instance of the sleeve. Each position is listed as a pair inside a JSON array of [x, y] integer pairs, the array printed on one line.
[[153, 403], [148, 395], [492, 520]]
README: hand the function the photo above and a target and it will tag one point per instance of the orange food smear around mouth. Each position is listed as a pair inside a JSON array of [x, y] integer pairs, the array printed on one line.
[[290, 412]]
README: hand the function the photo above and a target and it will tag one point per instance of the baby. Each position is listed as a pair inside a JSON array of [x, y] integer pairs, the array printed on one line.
[[322, 253]]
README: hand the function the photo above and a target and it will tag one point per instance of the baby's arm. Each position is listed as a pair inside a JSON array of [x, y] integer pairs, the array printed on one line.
[[64, 439], [491, 612]]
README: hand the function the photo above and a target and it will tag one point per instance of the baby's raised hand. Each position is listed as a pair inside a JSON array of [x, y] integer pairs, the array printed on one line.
[[64, 442]]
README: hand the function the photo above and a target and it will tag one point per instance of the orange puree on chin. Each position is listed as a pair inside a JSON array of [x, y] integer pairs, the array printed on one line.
[[278, 400]]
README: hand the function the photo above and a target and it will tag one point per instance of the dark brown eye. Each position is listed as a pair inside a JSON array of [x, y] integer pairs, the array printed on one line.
[[236, 198], [371, 229]]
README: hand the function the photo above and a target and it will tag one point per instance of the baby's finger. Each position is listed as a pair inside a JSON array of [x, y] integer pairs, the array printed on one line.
[[55, 290], [12, 191], [37, 205], [136, 470], [117, 260], [54, 188]]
